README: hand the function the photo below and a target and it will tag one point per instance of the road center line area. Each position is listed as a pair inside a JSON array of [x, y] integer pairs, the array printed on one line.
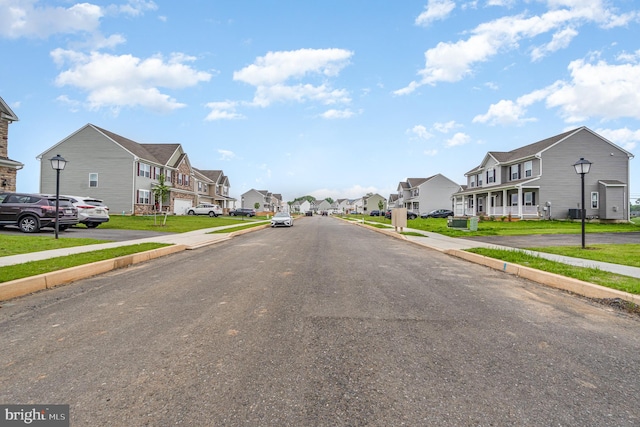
[[320, 324]]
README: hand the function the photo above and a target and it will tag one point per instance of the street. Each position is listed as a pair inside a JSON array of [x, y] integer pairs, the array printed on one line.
[[322, 324]]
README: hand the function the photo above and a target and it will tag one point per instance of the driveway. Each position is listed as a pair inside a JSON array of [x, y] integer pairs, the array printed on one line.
[[540, 240], [91, 233]]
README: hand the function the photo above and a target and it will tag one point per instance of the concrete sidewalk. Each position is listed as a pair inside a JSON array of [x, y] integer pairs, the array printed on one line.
[[191, 239]]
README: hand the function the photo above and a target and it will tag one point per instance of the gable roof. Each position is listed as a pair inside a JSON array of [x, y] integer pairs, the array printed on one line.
[[133, 147], [162, 152], [213, 175], [6, 112]]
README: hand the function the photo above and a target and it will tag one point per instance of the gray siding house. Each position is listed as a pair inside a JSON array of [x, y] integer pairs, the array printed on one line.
[[265, 200], [123, 172], [426, 194], [539, 180]]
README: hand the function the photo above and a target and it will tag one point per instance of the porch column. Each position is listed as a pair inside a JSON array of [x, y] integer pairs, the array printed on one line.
[[489, 207], [504, 201], [475, 205], [520, 202]]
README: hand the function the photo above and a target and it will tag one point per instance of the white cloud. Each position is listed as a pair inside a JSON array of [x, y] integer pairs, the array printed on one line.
[[25, 18], [625, 138], [598, 90], [419, 132], [435, 10], [453, 61], [445, 127], [430, 153], [223, 110], [560, 40], [337, 114], [226, 155], [126, 81], [271, 73], [458, 139]]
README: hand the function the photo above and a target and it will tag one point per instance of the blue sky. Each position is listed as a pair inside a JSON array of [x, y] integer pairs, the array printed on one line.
[[329, 98]]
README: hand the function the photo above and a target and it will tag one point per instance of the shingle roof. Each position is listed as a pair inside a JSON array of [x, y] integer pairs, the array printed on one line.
[[213, 175], [162, 152], [136, 148]]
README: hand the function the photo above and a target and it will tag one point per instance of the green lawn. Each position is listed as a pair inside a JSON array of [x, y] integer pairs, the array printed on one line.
[[33, 268], [592, 275], [174, 223], [624, 254], [27, 243]]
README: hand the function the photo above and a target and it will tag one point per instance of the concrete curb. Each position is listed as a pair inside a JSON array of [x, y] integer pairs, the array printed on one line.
[[587, 289], [578, 287], [27, 285]]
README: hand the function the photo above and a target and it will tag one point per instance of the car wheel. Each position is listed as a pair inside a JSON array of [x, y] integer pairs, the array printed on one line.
[[29, 224], [191, 213], [212, 214], [92, 224], [232, 214]]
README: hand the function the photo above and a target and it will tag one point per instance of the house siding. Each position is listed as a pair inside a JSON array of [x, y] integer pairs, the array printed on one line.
[[436, 193], [561, 185], [112, 163]]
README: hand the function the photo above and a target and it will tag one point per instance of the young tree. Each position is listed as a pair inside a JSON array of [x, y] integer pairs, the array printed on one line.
[[160, 190]]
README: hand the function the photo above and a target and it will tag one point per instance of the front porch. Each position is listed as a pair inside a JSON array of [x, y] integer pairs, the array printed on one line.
[[508, 202]]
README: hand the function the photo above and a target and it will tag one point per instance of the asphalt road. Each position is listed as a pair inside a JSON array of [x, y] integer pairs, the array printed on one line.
[[322, 324]]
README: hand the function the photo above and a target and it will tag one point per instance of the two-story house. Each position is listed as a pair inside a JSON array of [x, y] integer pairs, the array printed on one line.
[[539, 180], [8, 168], [212, 186], [371, 202], [122, 172], [426, 194], [262, 198]]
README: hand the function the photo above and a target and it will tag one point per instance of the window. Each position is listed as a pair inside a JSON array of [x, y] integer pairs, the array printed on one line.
[[179, 178], [199, 186], [594, 200], [479, 179], [93, 180], [515, 172], [529, 198], [528, 169], [491, 175], [472, 180], [144, 197], [168, 176], [514, 199], [156, 172], [144, 170]]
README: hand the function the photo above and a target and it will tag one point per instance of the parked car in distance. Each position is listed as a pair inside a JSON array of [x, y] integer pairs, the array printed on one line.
[[205, 209], [31, 212], [243, 212], [437, 213], [375, 213], [308, 213], [282, 218], [410, 215], [91, 212]]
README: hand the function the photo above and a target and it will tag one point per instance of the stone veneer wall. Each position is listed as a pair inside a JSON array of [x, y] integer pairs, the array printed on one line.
[[7, 174]]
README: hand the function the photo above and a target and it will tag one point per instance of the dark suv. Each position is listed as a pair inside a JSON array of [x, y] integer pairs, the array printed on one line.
[[243, 212], [30, 212]]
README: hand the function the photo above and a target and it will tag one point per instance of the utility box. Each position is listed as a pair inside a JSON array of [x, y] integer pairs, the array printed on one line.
[[457, 223], [399, 218], [473, 223]]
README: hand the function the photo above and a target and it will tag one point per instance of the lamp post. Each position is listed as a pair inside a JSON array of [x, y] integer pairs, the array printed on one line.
[[57, 163], [582, 167]]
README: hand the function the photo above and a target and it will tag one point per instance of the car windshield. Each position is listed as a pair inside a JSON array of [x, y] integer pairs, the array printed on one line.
[[282, 214]]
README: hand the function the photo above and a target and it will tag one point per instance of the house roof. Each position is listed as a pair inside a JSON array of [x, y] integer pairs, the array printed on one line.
[[6, 112], [133, 147], [162, 152], [213, 175]]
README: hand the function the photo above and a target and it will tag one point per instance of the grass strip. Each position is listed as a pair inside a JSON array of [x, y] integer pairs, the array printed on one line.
[[623, 253], [173, 223], [413, 233], [24, 243], [591, 275], [33, 268], [232, 229]]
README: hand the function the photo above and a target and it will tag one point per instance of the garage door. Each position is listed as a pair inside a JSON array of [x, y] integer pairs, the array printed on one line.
[[180, 206]]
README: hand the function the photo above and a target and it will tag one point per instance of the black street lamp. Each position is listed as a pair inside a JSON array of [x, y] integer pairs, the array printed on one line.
[[58, 163], [582, 167]]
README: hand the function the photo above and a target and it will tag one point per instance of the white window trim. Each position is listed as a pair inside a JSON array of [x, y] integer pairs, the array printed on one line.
[[597, 200], [144, 197], [96, 180], [528, 169]]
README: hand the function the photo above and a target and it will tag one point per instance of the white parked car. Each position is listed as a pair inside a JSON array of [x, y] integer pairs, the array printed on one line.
[[91, 211], [282, 218], [205, 209]]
